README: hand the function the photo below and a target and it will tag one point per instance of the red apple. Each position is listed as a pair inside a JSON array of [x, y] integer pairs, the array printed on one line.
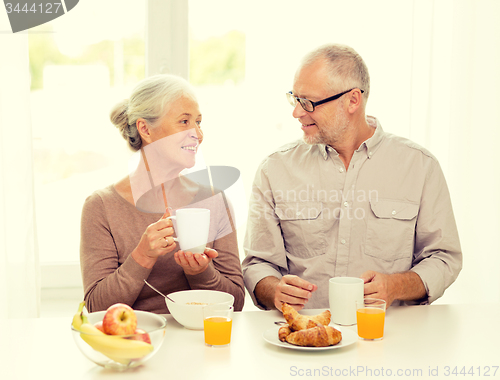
[[98, 325], [119, 319], [144, 336]]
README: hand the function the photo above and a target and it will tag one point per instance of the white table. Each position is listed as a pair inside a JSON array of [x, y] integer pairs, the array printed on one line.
[[420, 341]]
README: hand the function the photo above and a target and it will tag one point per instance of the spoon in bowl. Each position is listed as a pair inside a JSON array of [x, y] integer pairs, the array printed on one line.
[[157, 291]]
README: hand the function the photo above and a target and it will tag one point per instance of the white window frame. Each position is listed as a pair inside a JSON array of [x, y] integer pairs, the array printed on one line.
[[167, 38], [167, 52]]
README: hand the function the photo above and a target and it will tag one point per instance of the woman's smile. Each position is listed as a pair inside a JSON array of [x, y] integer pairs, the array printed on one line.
[[190, 148]]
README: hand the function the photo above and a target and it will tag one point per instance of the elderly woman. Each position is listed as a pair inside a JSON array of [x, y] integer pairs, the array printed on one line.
[[126, 237]]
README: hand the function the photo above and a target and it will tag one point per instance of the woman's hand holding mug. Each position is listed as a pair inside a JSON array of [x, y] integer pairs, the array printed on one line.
[[195, 263], [156, 241]]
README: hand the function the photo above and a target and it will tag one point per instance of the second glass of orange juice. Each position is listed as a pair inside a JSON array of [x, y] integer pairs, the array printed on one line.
[[217, 324], [370, 315]]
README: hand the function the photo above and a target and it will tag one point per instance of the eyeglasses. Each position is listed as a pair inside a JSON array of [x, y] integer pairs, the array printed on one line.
[[309, 105]]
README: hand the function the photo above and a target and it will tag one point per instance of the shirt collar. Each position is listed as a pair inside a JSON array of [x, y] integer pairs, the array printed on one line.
[[370, 146], [323, 149], [373, 143]]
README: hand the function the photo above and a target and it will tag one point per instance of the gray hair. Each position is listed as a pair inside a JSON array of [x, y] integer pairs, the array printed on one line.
[[149, 100], [347, 68]]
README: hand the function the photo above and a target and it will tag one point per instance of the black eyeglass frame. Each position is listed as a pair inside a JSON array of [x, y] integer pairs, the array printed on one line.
[[292, 99]]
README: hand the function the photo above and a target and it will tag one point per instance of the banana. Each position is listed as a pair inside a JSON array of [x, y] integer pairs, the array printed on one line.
[[77, 318], [114, 347]]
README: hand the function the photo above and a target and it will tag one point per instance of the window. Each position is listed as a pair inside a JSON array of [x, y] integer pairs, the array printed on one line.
[[217, 70], [81, 65], [79, 74]]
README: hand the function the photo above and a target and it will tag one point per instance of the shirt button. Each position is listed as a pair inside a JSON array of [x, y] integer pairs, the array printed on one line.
[[343, 241], [341, 170], [393, 212], [346, 204]]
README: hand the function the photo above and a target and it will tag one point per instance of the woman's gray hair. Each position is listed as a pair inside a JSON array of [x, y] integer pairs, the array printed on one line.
[[347, 68], [149, 100]]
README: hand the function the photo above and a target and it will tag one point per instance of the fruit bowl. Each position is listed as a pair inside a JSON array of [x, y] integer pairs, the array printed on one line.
[[120, 351], [188, 306]]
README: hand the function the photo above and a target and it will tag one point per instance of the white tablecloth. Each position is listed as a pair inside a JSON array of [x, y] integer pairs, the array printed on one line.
[[450, 341]]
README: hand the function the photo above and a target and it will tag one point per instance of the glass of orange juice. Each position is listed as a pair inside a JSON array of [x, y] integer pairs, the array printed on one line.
[[370, 314], [217, 323]]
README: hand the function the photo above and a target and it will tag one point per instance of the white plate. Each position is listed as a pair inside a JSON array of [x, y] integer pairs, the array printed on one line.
[[348, 338]]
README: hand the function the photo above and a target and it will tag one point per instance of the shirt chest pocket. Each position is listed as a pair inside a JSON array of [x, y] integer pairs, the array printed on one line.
[[390, 229], [303, 228]]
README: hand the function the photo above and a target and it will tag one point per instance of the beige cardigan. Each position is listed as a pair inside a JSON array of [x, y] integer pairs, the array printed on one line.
[[111, 228]]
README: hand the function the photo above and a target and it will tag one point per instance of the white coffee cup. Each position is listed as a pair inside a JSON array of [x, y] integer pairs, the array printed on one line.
[[192, 226], [344, 292]]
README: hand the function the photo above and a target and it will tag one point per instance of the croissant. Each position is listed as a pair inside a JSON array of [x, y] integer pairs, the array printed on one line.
[[319, 336], [283, 332], [299, 322]]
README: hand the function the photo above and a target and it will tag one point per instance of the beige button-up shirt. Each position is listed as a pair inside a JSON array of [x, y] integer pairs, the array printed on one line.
[[389, 212]]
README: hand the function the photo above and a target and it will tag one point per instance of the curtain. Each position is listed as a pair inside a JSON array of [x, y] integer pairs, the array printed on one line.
[[19, 269], [454, 98]]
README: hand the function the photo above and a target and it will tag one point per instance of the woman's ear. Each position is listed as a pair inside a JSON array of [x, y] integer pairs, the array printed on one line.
[[144, 130]]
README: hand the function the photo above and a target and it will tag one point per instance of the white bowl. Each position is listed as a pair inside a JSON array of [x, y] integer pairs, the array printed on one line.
[[188, 306]]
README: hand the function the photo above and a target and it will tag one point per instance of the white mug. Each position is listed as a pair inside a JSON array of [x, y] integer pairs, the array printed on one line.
[[344, 292], [192, 228]]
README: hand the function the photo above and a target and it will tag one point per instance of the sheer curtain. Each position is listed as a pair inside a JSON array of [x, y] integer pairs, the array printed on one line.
[[19, 270], [454, 98]]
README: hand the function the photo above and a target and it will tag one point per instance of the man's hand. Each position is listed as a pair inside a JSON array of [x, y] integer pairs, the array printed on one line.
[[290, 289], [405, 286], [378, 285]]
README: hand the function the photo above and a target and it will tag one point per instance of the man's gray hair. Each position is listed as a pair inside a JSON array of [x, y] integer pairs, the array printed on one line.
[[346, 68]]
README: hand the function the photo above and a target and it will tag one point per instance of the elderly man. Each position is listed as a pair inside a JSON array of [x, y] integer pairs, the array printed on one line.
[[347, 200]]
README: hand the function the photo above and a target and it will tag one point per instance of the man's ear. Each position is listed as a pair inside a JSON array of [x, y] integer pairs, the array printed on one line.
[[355, 100], [144, 130]]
